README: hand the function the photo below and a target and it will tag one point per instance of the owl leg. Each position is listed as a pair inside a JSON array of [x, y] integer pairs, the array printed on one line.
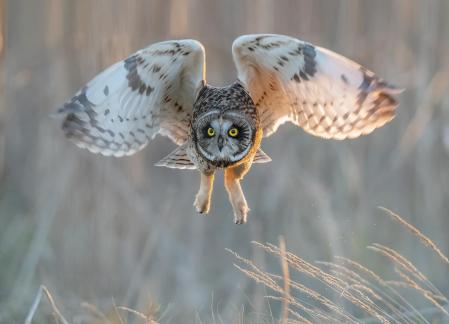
[[232, 177], [202, 199]]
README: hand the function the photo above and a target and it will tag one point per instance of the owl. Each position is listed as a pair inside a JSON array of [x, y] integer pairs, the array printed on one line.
[[162, 89]]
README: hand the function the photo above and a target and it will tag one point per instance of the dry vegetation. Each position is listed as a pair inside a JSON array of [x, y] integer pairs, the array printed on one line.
[[355, 293], [91, 313], [352, 292], [113, 232]]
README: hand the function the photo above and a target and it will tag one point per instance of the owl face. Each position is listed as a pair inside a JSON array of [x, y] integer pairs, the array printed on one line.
[[224, 138]]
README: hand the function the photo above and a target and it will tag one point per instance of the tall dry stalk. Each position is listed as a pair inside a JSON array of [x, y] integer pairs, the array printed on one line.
[[365, 290], [44, 291]]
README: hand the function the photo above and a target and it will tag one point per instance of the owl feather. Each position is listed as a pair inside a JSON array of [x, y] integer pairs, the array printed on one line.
[[323, 92], [162, 90], [151, 92]]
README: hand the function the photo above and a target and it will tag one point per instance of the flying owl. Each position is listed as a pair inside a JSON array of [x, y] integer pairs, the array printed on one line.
[[162, 89]]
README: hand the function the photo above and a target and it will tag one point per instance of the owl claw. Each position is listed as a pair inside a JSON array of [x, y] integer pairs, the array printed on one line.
[[202, 198], [240, 213], [240, 221], [202, 204]]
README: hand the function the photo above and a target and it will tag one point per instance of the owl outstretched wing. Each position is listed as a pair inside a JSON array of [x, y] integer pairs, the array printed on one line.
[[323, 92], [151, 92]]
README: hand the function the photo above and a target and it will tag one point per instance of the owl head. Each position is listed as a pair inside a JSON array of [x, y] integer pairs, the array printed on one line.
[[225, 124]]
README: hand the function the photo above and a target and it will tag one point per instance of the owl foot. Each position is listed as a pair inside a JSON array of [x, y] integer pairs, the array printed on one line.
[[202, 203], [202, 199], [240, 213], [236, 196]]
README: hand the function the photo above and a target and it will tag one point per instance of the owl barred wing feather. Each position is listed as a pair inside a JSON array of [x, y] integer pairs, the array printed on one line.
[[178, 159], [151, 92], [324, 93], [261, 157]]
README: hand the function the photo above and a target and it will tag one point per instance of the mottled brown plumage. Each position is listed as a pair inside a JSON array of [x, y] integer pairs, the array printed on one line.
[[162, 90], [231, 99]]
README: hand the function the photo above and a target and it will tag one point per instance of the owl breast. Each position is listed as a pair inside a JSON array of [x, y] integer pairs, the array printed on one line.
[[225, 128]]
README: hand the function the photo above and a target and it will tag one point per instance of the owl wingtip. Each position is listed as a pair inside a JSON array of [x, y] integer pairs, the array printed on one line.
[[58, 113]]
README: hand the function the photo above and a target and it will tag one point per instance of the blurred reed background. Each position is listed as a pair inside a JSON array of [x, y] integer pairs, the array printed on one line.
[[105, 230]]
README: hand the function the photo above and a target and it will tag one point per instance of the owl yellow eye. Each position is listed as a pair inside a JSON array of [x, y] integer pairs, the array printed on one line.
[[233, 132], [210, 132]]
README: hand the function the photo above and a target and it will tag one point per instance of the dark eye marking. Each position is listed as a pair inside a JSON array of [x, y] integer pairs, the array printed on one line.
[[243, 133], [205, 131], [233, 132]]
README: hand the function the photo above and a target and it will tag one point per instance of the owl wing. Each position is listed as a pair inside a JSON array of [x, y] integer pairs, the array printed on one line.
[[151, 92], [324, 93]]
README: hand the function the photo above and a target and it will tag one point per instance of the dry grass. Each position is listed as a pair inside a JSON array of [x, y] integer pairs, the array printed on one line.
[[354, 292], [91, 312], [414, 231], [91, 227], [56, 313], [361, 294]]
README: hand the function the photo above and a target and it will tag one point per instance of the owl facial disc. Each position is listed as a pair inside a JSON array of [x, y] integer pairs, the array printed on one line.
[[223, 138]]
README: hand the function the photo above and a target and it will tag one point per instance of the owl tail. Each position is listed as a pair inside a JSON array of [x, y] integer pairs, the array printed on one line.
[[177, 159]]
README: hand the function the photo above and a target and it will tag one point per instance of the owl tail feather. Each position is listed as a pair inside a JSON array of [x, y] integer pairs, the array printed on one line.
[[261, 157], [177, 159]]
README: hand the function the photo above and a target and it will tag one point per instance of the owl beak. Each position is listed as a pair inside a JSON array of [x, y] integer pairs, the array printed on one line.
[[220, 142]]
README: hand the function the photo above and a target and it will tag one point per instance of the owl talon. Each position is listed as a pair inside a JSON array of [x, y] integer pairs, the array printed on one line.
[[240, 221], [202, 204], [202, 198], [240, 214]]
